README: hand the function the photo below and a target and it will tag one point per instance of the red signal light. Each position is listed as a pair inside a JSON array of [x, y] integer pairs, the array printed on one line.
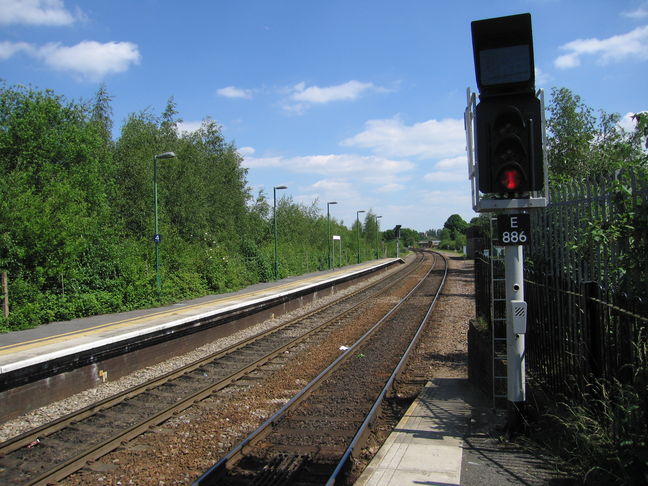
[[511, 179]]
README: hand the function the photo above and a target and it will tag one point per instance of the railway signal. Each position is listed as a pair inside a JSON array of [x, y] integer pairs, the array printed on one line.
[[506, 164], [509, 159], [508, 117]]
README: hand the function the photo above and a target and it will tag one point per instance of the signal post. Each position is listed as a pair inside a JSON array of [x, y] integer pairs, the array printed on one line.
[[505, 132]]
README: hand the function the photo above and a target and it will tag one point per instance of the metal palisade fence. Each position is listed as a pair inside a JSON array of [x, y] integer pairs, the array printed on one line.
[[586, 279]]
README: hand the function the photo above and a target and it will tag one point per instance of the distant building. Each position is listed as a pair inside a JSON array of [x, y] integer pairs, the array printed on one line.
[[429, 243]]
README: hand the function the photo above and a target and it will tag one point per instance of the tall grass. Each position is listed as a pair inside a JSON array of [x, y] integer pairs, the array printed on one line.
[[605, 433]]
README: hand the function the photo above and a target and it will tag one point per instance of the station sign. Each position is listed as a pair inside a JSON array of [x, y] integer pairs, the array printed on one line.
[[514, 229]]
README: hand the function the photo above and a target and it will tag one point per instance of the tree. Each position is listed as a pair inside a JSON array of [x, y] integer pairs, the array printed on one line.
[[571, 132], [133, 157], [102, 113], [480, 226], [641, 131], [580, 145], [371, 233], [170, 120], [433, 234], [54, 201], [456, 225], [409, 237]]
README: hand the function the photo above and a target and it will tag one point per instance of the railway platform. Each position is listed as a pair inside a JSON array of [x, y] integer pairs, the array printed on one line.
[[446, 438], [55, 360]]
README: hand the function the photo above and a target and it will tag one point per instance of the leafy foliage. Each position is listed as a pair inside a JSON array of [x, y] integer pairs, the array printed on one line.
[[598, 152], [620, 231], [580, 145], [76, 212], [453, 234], [603, 431]]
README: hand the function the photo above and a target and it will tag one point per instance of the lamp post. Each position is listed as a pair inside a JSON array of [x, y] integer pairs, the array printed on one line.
[[274, 217], [328, 220], [377, 231], [358, 224], [156, 236]]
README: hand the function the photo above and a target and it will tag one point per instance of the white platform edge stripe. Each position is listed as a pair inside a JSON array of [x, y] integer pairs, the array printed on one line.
[[123, 337]]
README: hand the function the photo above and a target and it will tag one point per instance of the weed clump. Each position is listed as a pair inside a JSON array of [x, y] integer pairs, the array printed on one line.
[[603, 433]]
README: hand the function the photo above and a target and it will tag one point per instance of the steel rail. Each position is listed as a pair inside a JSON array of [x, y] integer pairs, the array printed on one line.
[[66, 468], [363, 432], [44, 430], [212, 475]]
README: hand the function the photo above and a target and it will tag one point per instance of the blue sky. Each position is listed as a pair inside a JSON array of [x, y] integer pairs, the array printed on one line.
[[354, 101]]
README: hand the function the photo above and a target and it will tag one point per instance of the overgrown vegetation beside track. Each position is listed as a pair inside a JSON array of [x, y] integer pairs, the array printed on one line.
[[588, 322], [76, 212], [586, 285], [592, 254]]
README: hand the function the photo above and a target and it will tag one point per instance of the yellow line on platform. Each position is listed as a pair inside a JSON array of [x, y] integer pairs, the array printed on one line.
[[35, 343]]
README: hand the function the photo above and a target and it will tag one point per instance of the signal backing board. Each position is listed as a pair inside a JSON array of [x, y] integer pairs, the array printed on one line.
[[514, 229]]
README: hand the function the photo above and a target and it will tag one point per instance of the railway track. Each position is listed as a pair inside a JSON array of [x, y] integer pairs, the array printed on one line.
[[314, 437], [56, 450]]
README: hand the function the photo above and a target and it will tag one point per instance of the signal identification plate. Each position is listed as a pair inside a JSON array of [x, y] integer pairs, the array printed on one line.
[[514, 229]]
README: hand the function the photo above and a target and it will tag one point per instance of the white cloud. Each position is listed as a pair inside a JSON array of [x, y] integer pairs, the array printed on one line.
[[617, 48], [444, 199], [348, 91], [382, 178], [331, 189], [261, 162], [567, 61], [431, 210], [233, 92], [429, 139], [35, 12], [445, 176], [641, 12], [541, 77], [628, 123], [246, 151], [367, 167], [90, 59], [391, 187], [459, 162], [449, 170], [8, 49], [334, 186], [301, 97]]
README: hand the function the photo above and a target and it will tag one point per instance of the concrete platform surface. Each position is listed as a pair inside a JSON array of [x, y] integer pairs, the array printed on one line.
[[20, 349], [448, 437]]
